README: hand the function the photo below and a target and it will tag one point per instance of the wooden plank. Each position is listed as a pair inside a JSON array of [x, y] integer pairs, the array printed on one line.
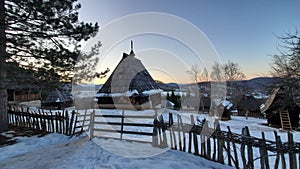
[[67, 123], [125, 116], [292, 155], [249, 150], [228, 151], [179, 132], [236, 159], [125, 124], [266, 157], [276, 165], [122, 125], [220, 145], [92, 124], [195, 138], [70, 133], [183, 133], [52, 122]]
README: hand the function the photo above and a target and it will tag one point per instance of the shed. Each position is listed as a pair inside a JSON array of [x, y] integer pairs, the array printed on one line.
[[278, 103]]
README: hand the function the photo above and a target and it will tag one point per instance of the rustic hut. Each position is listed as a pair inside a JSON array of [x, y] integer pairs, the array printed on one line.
[[57, 100], [22, 92], [130, 86], [20, 84], [248, 103], [276, 104]]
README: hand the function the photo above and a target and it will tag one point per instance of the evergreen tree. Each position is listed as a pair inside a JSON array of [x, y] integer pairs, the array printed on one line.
[[176, 99], [42, 35]]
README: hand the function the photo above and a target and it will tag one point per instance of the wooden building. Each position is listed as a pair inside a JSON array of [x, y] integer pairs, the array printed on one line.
[[277, 107], [22, 92], [130, 86], [57, 100], [20, 84], [248, 103]]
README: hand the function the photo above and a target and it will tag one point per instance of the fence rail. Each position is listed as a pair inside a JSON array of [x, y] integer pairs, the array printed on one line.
[[118, 123]]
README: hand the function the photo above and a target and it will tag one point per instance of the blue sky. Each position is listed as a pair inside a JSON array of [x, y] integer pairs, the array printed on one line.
[[241, 31]]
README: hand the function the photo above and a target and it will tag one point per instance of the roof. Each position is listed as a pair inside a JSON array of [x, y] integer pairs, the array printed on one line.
[[129, 75], [278, 100], [248, 103], [57, 97]]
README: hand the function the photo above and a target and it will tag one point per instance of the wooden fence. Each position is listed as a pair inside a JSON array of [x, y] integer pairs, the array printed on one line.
[[215, 144], [48, 121], [225, 147], [118, 125]]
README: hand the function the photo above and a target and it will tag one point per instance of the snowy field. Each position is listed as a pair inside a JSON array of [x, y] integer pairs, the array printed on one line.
[[59, 151]]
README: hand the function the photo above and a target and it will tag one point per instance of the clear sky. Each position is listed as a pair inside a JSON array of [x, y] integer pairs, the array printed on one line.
[[240, 31]]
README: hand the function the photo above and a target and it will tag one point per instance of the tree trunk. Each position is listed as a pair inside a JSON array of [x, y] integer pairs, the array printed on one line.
[[3, 91]]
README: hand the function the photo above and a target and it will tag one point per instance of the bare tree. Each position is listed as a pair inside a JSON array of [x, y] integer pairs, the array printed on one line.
[[205, 74], [286, 65], [195, 73], [233, 71], [217, 73]]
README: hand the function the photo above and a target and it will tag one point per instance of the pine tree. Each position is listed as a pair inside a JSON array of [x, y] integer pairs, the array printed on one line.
[[42, 35]]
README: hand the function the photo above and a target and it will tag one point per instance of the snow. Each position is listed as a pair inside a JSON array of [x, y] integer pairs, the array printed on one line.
[[226, 104], [129, 93], [153, 91], [59, 151]]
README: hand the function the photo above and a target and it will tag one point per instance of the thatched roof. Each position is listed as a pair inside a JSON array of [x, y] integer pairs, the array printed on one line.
[[278, 100], [129, 75]]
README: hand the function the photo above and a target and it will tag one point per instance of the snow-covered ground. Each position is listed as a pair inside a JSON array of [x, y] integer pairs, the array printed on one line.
[[59, 151]]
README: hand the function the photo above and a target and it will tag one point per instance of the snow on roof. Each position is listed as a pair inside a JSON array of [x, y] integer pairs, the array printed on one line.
[[129, 93], [226, 104], [153, 91]]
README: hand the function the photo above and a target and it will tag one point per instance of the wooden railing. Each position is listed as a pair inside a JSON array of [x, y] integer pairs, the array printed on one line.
[[118, 125]]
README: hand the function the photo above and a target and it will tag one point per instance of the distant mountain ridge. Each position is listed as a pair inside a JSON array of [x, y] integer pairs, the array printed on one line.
[[258, 83]]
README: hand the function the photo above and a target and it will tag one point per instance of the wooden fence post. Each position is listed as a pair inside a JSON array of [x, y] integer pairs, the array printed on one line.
[[243, 145], [292, 155], [122, 125], [183, 133], [71, 123], [92, 124], [220, 141], [236, 159], [67, 123], [154, 135], [195, 139], [179, 132]]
